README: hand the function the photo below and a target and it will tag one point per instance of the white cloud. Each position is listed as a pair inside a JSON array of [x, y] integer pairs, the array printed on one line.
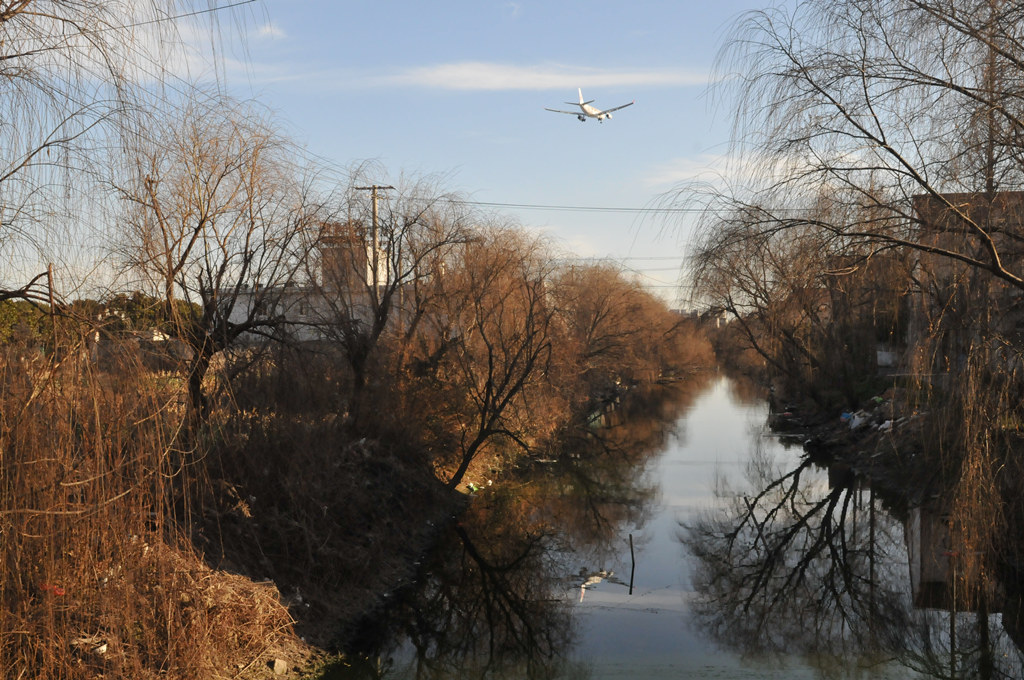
[[270, 30], [704, 168], [477, 76], [480, 75], [733, 170], [512, 10]]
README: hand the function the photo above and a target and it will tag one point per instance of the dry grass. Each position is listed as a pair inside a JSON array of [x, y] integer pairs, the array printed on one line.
[[135, 542], [334, 518], [97, 576]]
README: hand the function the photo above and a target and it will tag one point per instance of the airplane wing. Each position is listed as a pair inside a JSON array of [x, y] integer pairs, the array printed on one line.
[[571, 113], [619, 107]]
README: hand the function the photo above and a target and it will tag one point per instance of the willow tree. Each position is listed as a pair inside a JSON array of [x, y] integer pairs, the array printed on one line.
[[811, 307], [379, 266], [219, 222], [73, 76], [904, 115], [875, 102], [908, 116]]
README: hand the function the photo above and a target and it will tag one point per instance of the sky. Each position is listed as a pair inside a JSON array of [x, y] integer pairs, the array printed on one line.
[[458, 90]]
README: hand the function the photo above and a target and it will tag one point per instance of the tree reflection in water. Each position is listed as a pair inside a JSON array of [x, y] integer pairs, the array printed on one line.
[[494, 599], [799, 563], [486, 602]]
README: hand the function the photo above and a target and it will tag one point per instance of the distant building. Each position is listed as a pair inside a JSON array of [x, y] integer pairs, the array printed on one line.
[[345, 255], [959, 301], [934, 561], [340, 289]]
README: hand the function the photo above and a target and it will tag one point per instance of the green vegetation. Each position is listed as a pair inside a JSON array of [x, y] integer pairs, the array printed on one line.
[[22, 323]]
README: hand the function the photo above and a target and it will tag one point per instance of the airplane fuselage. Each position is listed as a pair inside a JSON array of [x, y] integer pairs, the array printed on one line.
[[588, 111], [594, 112]]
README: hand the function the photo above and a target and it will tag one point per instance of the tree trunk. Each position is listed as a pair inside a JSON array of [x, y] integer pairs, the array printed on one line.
[[199, 406]]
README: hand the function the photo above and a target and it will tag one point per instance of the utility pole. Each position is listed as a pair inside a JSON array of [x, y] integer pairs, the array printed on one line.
[[374, 267], [53, 306]]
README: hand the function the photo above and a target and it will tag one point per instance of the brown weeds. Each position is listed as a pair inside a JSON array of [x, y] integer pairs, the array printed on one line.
[[97, 577]]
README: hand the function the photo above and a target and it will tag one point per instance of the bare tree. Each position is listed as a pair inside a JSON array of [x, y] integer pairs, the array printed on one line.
[[874, 103], [813, 307], [906, 116], [219, 223], [494, 322], [877, 127], [379, 266], [600, 312], [73, 76]]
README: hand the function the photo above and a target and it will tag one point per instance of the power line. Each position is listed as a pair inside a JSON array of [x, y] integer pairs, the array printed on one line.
[[540, 206], [770, 212], [148, 22], [186, 15], [579, 208], [610, 258], [659, 269], [196, 13]]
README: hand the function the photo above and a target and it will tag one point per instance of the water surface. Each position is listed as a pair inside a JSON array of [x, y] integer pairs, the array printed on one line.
[[534, 579], [649, 633]]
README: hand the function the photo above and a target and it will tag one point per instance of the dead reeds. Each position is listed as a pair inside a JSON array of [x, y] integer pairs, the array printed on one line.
[[97, 574]]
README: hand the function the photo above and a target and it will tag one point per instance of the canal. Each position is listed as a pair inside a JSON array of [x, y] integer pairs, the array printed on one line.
[[682, 540], [650, 633]]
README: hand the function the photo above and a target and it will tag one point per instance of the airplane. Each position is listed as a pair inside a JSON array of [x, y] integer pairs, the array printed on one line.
[[588, 111]]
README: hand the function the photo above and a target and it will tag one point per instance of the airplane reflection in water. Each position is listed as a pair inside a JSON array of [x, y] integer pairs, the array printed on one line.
[[785, 566], [592, 579], [495, 598]]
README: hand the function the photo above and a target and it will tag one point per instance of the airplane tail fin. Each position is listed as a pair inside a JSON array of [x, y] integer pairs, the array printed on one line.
[[580, 103]]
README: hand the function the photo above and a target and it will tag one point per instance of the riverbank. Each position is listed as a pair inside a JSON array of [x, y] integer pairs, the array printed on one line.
[[636, 423], [881, 443], [145, 536], [340, 536], [498, 590]]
